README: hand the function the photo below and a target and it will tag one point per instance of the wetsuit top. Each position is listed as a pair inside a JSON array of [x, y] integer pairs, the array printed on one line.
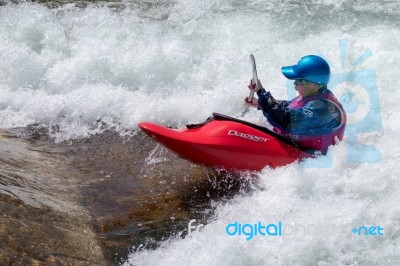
[[313, 121]]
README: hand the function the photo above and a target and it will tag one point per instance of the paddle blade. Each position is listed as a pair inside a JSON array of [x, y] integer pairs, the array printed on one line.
[[254, 78]]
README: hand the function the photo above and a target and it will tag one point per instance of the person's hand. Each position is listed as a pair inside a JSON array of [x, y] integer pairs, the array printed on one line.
[[254, 87], [253, 103]]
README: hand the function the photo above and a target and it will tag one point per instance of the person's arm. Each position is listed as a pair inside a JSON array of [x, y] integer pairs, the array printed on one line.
[[274, 110]]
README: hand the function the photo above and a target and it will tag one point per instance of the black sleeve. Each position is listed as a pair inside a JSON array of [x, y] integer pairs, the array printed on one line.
[[274, 110]]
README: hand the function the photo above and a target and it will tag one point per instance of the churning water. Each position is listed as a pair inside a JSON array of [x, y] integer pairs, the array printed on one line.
[[78, 72]]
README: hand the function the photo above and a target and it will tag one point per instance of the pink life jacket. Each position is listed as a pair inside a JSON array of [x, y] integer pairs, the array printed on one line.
[[317, 142]]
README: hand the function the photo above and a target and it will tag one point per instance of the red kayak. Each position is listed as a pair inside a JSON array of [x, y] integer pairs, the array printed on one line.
[[228, 143]]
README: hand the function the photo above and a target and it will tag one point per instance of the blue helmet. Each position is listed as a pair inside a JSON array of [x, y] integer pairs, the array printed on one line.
[[311, 68]]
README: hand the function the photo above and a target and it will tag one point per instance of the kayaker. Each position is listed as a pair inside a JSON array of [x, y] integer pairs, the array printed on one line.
[[315, 119]]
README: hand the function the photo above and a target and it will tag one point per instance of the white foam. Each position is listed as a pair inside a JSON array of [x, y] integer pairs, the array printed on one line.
[[328, 202], [62, 66]]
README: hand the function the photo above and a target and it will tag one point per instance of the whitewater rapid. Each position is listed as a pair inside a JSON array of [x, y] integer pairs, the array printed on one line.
[[86, 70]]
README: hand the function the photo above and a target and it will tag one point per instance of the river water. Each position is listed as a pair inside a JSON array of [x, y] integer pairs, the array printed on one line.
[[80, 184]]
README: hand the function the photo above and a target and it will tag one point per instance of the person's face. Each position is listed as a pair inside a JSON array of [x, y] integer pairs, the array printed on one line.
[[305, 88]]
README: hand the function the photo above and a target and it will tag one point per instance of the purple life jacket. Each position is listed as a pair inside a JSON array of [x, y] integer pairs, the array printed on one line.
[[313, 141]]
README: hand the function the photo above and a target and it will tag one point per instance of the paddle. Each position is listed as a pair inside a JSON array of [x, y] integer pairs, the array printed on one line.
[[254, 80]]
